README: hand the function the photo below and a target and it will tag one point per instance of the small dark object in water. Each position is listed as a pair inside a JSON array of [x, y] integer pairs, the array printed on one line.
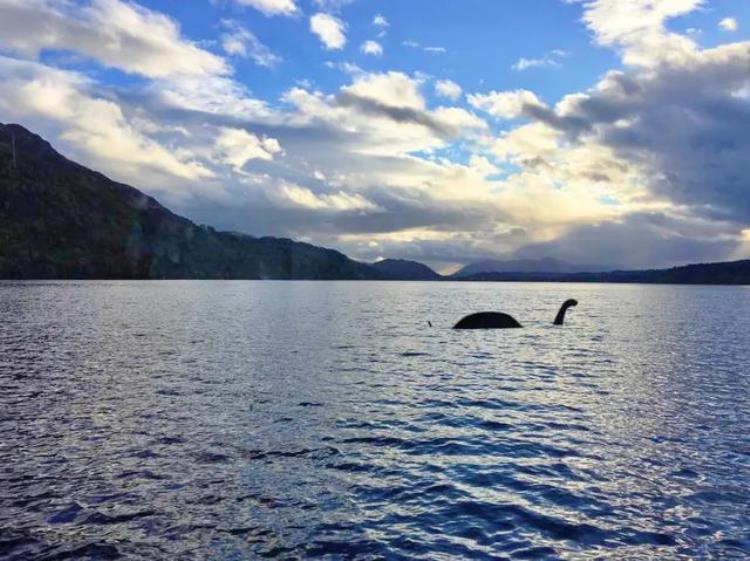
[[498, 320]]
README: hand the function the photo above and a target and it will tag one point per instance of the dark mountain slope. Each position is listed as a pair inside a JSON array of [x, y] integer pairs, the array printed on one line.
[[59, 219], [400, 269], [731, 272]]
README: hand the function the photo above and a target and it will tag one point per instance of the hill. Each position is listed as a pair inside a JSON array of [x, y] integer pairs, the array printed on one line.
[[59, 219], [400, 269]]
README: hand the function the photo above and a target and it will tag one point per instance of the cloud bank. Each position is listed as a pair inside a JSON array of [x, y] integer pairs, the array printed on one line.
[[646, 167]]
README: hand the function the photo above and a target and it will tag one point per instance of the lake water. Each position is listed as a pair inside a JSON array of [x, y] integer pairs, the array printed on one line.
[[244, 420]]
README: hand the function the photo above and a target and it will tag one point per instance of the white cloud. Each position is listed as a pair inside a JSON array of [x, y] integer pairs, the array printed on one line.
[[136, 40], [384, 114], [371, 48], [117, 34], [449, 89], [637, 27], [380, 21], [215, 95], [505, 105], [550, 60], [329, 29], [416, 45], [271, 7], [345, 67], [296, 195], [729, 24], [460, 120], [236, 147], [394, 89], [241, 42], [95, 127]]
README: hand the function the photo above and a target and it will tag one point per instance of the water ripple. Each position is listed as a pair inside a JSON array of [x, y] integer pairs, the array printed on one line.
[[233, 421]]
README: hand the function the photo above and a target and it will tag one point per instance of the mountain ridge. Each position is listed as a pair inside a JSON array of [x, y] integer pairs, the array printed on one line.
[[403, 269], [61, 220]]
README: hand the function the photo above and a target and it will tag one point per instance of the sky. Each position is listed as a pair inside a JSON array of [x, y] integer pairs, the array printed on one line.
[[610, 133]]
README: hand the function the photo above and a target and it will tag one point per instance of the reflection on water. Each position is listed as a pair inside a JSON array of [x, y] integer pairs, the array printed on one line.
[[240, 420]]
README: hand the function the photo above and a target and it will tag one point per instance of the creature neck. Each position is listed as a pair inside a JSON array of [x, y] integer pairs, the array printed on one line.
[[560, 317]]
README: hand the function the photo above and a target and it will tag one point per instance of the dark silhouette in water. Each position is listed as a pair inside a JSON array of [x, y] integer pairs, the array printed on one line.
[[560, 317], [498, 320]]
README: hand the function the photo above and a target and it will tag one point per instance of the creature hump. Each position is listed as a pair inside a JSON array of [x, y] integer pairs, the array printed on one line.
[[488, 320]]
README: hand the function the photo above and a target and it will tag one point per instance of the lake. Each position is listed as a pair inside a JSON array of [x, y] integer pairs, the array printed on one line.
[[245, 420]]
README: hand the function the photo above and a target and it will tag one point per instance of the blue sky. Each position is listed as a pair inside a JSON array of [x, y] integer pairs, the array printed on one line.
[[483, 39], [610, 132], [482, 43]]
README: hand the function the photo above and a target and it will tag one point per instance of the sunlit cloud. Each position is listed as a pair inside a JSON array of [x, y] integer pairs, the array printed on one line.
[[372, 48], [117, 34], [271, 7], [553, 59], [239, 41], [729, 24], [449, 89], [330, 30], [380, 21]]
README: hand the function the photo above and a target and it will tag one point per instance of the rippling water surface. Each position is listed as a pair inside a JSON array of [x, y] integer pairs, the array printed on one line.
[[242, 420]]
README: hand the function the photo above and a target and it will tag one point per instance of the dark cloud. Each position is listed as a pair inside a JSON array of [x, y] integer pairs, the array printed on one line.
[[688, 125], [374, 108], [393, 213], [571, 125]]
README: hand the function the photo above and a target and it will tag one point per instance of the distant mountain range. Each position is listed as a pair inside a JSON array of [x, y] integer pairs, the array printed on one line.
[[547, 265], [60, 220], [732, 272]]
